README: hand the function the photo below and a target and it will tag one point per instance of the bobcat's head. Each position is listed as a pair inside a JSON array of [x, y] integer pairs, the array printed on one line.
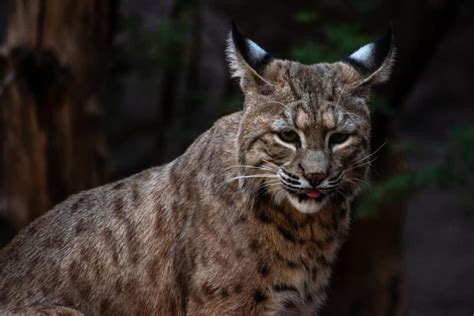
[[305, 133]]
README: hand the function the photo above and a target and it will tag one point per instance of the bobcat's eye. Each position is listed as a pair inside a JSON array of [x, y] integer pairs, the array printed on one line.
[[289, 136], [337, 138]]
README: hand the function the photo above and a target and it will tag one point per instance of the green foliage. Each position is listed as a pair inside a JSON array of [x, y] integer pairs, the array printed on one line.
[[306, 17], [463, 149], [171, 34], [334, 41], [455, 172]]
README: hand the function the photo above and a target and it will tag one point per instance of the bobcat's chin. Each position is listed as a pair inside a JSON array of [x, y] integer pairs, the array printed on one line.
[[307, 204]]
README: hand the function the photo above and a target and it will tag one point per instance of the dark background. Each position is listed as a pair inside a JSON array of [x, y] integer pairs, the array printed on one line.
[[103, 89]]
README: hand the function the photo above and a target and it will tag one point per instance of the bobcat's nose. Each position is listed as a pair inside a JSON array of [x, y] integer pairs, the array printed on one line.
[[315, 178]]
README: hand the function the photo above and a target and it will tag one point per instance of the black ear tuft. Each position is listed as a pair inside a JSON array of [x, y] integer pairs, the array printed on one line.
[[255, 56], [371, 57]]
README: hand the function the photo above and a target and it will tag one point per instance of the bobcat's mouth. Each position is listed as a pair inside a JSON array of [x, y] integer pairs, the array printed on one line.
[[307, 201], [308, 195]]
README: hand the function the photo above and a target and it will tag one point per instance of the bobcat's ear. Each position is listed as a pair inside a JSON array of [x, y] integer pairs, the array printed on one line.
[[373, 61], [247, 61]]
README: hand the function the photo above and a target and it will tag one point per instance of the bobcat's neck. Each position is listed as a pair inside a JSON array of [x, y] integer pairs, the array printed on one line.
[[303, 248], [289, 229]]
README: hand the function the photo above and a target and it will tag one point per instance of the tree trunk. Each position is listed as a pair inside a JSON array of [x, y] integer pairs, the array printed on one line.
[[54, 66]]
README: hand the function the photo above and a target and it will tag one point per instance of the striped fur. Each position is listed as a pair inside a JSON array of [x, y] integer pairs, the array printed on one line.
[[220, 230]]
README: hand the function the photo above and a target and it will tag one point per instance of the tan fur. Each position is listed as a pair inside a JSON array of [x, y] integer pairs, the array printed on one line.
[[196, 236]]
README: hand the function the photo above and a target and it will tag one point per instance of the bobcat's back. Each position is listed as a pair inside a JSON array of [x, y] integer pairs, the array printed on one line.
[[115, 246]]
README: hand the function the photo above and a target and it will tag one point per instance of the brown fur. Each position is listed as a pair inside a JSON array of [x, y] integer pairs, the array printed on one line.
[[193, 236]]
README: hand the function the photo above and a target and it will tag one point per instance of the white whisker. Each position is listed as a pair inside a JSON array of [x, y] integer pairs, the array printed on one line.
[[373, 153], [254, 176], [271, 163], [267, 184], [362, 164], [360, 180], [251, 167]]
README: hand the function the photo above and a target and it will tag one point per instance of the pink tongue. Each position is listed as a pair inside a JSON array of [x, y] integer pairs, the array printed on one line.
[[313, 194]]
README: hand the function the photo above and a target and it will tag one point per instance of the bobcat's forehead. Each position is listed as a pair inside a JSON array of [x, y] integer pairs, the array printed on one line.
[[315, 82], [315, 98], [306, 115]]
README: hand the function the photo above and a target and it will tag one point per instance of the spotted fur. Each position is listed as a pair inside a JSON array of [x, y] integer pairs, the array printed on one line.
[[228, 227]]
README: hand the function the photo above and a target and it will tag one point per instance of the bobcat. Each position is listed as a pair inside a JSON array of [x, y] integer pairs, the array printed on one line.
[[247, 221]]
